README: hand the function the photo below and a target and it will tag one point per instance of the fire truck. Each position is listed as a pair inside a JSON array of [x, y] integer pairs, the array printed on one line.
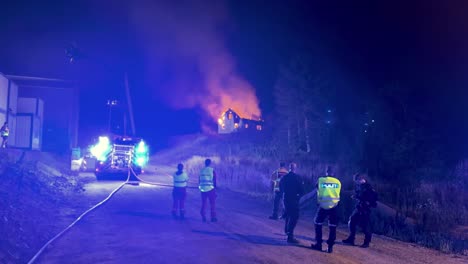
[[117, 154]]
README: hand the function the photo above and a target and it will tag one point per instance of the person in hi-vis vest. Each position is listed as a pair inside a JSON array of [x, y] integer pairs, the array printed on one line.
[[179, 192], [207, 186], [5, 131], [328, 197], [278, 196]]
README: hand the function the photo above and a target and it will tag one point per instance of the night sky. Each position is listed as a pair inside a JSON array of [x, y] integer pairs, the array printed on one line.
[[162, 46]]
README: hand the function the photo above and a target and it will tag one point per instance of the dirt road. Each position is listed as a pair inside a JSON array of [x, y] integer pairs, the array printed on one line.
[[135, 226]]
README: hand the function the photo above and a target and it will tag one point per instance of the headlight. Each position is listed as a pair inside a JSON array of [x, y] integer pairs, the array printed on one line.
[[141, 161]]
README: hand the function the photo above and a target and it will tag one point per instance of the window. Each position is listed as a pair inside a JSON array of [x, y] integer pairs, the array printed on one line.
[[230, 116], [259, 127], [236, 125], [246, 125]]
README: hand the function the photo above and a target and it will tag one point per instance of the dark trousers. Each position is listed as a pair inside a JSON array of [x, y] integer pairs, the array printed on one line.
[[320, 217], [178, 197], [362, 219], [211, 195], [276, 203], [291, 217], [4, 141]]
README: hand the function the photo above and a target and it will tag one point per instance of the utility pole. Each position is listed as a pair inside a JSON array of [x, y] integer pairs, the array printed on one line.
[[129, 103]]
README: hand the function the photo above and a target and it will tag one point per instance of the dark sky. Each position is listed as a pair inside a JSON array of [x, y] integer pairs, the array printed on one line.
[[170, 51]]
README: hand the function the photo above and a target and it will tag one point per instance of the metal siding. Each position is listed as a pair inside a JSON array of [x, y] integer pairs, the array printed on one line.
[[23, 131], [27, 105], [13, 104], [12, 126], [36, 134], [3, 92], [2, 118]]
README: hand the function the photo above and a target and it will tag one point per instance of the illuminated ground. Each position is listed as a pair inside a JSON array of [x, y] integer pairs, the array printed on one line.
[[136, 227]]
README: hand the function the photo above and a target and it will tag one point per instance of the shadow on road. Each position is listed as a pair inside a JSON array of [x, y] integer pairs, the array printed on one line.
[[254, 239], [145, 214]]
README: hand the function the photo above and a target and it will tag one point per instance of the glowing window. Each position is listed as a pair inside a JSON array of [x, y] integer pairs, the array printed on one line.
[[236, 125], [246, 125], [230, 116], [259, 127]]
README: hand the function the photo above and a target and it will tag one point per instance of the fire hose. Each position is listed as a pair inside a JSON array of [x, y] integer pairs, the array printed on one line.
[[127, 181]]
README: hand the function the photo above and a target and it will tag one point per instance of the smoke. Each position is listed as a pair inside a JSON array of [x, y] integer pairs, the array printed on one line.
[[187, 59]]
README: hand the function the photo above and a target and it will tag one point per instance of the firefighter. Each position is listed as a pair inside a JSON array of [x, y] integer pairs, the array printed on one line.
[[179, 192], [207, 186], [275, 179], [328, 197], [5, 132], [366, 198], [292, 188]]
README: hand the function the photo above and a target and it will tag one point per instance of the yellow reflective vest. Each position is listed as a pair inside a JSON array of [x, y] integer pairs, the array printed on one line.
[[206, 183], [328, 192], [5, 132], [180, 180], [276, 177]]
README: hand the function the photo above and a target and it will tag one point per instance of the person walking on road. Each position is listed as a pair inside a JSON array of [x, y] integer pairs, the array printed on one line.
[[291, 186], [366, 198], [278, 196], [207, 186], [328, 197], [179, 192]]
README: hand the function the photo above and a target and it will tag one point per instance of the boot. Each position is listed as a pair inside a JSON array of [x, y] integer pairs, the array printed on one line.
[[214, 219], [292, 240], [365, 245], [316, 246], [203, 218], [348, 241], [182, 215], [174, 215], [330, 249]]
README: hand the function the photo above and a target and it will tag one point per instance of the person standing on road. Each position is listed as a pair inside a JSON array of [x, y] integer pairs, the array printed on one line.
[[278, 196], [207, 186], [5, 132], [328, 197], [179, 192], [366, 200], [292, 187]]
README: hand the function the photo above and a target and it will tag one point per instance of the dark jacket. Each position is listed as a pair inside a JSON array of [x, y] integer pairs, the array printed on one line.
[[292, 187], [365, 196]]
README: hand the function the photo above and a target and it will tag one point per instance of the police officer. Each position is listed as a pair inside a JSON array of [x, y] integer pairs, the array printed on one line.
[[292, 187], [328, 197], [366, 199]]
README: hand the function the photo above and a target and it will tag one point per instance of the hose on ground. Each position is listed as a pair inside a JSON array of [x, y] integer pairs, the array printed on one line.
[[79, 218], [157, 184]]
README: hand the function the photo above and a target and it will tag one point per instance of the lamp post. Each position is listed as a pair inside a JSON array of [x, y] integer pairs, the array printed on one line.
[[110, 104]]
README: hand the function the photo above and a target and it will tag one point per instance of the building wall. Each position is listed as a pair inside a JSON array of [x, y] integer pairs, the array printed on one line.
[[8, 106], [59, 116]]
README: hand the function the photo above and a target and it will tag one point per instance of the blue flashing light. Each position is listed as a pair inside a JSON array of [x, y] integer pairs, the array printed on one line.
[[101, 149], [141, 148]]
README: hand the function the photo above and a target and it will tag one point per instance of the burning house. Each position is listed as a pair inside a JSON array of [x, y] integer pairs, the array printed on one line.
[[231, 122]]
